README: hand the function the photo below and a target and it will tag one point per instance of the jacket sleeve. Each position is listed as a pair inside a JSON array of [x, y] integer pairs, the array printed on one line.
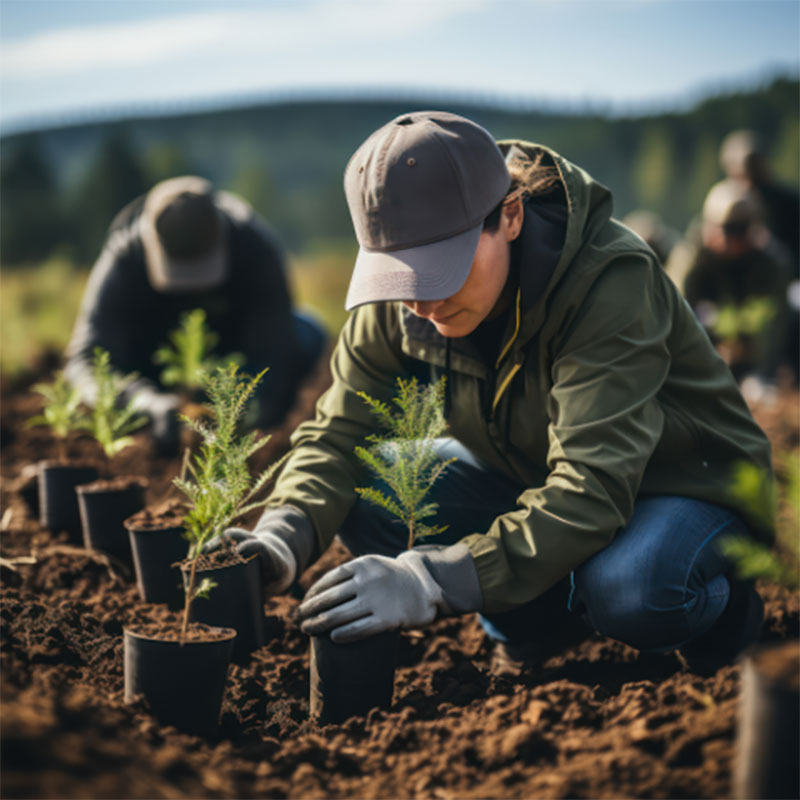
[[104, 319], [322, 471], [604, 423]]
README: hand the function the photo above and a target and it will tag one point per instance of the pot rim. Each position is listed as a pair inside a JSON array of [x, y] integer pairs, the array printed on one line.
[[230, 633], [135, 480]]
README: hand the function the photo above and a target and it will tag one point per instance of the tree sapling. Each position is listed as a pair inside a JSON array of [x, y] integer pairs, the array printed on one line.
[[62, 411], [219, 486], [405, 458], [110, 423], [187, 358], [350, 679]]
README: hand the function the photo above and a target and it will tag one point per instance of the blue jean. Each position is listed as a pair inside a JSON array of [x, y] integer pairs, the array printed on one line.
[[659, 584]]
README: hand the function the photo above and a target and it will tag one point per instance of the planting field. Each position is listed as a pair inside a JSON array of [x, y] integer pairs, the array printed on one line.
[[598, 720]]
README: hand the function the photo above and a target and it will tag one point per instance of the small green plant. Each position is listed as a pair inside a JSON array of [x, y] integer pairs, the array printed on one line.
[[749, 318], [62, 411], [219, 485], [109, 423], [187, 358], [755, 560], [405, 459]]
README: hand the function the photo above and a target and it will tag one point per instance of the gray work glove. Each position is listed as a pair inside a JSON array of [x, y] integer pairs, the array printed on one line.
[[372, 594], [284, 541], [278, 564]]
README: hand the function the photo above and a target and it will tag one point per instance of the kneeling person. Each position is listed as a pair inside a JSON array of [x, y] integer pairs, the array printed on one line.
[[598, 433]]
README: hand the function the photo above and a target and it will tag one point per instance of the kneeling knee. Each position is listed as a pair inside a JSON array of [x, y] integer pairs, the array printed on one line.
[[645, 617]]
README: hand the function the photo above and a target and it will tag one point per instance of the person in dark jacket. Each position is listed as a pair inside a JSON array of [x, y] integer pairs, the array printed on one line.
[[735, 276], [598, 435], [180, 247]]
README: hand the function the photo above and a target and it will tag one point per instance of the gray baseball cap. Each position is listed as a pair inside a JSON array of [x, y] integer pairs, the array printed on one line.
[[419, 189], [184, 236]]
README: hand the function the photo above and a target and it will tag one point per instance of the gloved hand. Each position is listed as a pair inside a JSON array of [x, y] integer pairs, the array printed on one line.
[[372, 594], [278, 564], [163, 412]]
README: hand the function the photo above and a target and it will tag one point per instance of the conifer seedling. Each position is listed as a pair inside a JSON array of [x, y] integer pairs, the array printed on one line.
[[109, 422], [219, 486], [754, 560], [62, 411], [404, 457], [187, 358]]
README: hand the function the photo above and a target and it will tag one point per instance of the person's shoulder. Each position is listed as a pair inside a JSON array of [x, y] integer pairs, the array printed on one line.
[[246, 225]]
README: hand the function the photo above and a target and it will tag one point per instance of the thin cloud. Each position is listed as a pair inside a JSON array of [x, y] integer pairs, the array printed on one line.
[[280, 29]]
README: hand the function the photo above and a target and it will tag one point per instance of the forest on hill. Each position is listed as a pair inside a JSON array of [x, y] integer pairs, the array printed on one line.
[[62, 186]]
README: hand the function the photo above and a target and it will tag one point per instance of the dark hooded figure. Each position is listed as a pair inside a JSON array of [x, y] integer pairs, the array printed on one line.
[[180, 247]]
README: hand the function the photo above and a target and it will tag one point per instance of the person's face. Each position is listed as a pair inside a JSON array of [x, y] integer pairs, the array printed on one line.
[[480, 296]]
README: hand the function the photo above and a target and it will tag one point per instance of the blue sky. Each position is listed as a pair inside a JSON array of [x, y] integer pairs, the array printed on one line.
[[60, 59]]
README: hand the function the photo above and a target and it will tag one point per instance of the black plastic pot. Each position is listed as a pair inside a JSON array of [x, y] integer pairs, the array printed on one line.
[[58, 502], [769, 725], [237, 601], [156, 552], [183, 684], [348, 680], [27, 485], [103, 514]]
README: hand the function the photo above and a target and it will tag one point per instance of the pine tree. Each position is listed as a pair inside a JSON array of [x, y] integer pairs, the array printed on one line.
[[405, 459], [220, 488], [109, 422], [62, 411], [188, 356]]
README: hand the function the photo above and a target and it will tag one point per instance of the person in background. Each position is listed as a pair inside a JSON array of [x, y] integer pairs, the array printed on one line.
[[743, 160], [656, 233], [598, 434], [736, 279], [180, 247]]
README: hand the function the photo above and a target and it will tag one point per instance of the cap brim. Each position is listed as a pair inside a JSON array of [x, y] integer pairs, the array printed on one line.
[[429, 272], [167, 274]]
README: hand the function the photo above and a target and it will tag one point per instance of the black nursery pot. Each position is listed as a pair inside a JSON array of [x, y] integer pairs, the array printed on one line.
[[183, 684], [769, 724], [237, 601], [348, 680], [103, 513], [156, 552], [58, 502]]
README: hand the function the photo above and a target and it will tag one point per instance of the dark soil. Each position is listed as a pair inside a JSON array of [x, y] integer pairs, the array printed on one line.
[[597, 720], [216, 559], [169, 514], [170, 631]]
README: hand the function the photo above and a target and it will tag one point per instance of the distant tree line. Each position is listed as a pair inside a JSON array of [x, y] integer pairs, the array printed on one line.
[[59, 188]]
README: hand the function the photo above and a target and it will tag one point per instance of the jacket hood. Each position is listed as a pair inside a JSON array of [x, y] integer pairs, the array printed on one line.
[[566, 242], [588, 211]]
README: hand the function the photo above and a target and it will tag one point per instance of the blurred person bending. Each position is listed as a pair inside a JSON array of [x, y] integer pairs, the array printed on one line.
[[180, 247], [735, 276]]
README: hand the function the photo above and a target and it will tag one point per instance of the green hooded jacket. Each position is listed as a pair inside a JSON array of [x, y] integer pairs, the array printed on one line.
[[605, 387]]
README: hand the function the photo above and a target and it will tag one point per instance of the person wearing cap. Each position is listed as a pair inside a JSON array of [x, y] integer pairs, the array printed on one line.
[[598, 434], [735, 276], [180, 247], [743, 160]]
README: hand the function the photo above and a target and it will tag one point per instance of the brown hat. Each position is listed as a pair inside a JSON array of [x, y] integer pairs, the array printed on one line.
[[419, 189], [184, 236]]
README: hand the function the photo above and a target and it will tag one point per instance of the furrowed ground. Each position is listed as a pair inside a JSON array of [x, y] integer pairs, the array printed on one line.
[[598, 720]]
